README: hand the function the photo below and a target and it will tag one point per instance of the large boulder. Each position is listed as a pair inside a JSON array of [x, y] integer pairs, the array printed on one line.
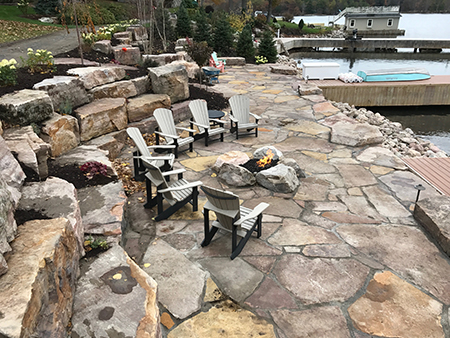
[[171, 80], [61, 132], [8, 224], [280, 178], [162, 59], [11, 171], [143, 106], [129, 302], [192, 68], [236, 175], [54, 198], [30, 150], [66, 92], [102, 117], [103, 46], [127, 55], [36, 295], [97, 76], [117, 89], [112, 143], [25, 107], [142, 84], [138, 32], [434, 215]]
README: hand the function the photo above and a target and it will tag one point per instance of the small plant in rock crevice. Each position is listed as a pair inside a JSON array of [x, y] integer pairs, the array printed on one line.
[[90, 169], [66, 108], [92, 244]]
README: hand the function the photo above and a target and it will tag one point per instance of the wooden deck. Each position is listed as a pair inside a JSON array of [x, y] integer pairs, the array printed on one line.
[[436, 171], [433, 91]]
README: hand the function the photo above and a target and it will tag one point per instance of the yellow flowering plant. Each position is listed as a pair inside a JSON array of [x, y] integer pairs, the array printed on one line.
[[40, 61], [260, 59], [8, 72]]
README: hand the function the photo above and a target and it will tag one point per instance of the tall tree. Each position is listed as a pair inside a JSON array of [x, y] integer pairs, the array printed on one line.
[[183, 23], [223, 40], [245, 46], [267, 47]]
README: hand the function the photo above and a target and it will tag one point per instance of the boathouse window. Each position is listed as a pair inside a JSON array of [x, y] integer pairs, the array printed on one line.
[[390, 22], [352, 23], [369, 23]]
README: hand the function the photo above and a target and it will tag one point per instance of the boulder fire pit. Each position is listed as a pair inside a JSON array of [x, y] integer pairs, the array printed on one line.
[[268, 168]]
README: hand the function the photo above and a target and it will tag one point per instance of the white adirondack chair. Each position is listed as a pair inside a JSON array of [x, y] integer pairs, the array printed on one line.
[[199, 110], [176, 193], [240, 115], [232, 217], [166, 124], [143, 151]]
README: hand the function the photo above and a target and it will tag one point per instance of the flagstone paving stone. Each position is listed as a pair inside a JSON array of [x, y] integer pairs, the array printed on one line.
[[392, 307], [385, 204], [271, 296], [327, 321], [309, 127], [355, 175], [320, 280], [295, 232], [312, 189], [327, 251], [405, 250], [236, 278]]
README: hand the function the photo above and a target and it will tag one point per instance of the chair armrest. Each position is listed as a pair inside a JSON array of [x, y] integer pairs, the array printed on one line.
[[255, 212], [162, 146], [155, 158], [186, 129], [217, 121], [200, 125], [167, 135], [232, 118], [182, 187], [255, 116], [173, 172]]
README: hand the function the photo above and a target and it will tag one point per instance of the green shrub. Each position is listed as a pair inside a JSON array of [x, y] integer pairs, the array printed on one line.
[[267, 47], [39, 62], [301, 24], [223, 40], [183, 28], [23, 6], [120, 12], [200, 52], [87, 14], [8, 72], [47, 7], [245, 46]]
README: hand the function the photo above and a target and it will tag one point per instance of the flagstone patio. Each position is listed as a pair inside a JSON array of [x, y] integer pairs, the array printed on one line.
[[340, 257]]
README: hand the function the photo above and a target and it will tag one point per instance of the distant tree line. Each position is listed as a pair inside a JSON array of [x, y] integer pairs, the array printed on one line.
[[332, 7]]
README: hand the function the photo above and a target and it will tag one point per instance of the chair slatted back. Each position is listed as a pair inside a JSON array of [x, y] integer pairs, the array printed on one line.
[[240, 107], [156, 177], [214, 56], [225, 201], [199, 110], [164, 118], [137, 138]]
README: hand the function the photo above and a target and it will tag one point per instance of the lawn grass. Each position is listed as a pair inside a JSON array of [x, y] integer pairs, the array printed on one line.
[[13, 26]]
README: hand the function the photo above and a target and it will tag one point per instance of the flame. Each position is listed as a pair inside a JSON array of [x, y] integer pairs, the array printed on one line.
[[266, 160]]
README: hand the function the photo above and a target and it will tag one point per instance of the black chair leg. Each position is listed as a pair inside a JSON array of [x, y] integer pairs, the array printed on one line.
[[236, 249], [209, 233], [195, 199]]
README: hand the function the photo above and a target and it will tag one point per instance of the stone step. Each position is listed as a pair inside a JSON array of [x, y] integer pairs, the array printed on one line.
[[61, 132], [36, 294], [115, 298], [97, 76], [66, 92], [125, 88], [31, 151], [102, 209], [143, 106], [54, 198], [102, 117], [25, 107]]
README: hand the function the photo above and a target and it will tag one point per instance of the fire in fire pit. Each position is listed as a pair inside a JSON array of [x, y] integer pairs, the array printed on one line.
[[255, 166]]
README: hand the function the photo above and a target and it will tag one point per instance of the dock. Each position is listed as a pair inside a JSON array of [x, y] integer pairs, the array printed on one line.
[[291, 44], [435, 171], [430, 92]]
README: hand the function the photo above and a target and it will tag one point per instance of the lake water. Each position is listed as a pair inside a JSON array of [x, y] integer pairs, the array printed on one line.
[[431, 122]]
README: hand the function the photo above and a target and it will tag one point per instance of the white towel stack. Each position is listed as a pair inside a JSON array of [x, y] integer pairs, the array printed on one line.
[[350, 78]]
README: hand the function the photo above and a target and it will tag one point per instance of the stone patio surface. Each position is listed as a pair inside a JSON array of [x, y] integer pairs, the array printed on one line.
[[340, 257]]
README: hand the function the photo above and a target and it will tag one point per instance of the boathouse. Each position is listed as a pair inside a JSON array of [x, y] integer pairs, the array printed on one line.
[[372, 21]]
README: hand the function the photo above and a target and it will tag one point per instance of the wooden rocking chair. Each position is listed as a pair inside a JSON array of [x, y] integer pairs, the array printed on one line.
[[232, 217]]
